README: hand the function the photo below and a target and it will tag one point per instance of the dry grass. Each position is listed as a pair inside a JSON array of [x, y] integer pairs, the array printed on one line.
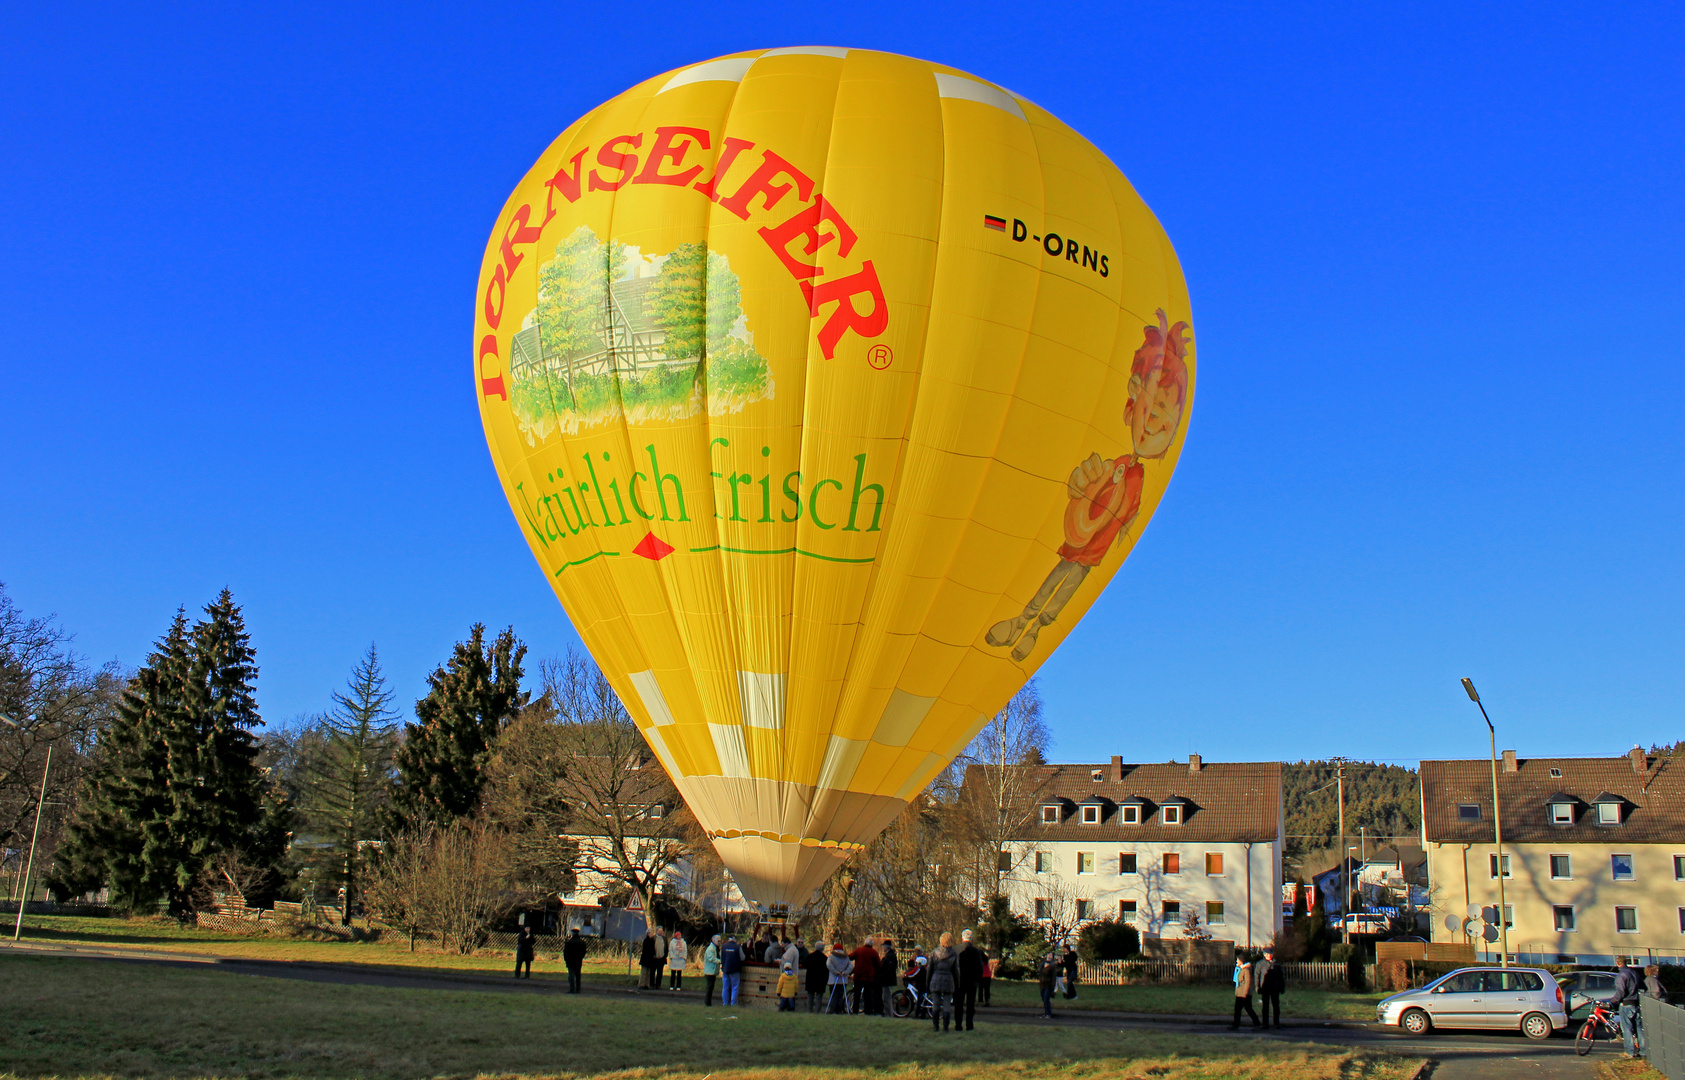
[[89, 1018], [1625, 1069]]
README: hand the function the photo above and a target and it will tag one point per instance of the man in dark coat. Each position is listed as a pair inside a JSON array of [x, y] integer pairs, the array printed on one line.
[[524, 945], [889, 972], [814, 964], [1270, 987], [573, 955], [971, 962], [1070, 964]]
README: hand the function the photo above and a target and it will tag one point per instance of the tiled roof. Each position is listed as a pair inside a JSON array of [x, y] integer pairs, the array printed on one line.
[[1223, 802], [1653, 810]]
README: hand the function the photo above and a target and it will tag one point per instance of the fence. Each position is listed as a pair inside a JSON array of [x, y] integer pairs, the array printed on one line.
[[1311, 975], [1664, 1037]]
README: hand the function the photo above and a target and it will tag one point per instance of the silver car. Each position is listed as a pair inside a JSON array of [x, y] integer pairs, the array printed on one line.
[[1585, 987], [1507, 998]]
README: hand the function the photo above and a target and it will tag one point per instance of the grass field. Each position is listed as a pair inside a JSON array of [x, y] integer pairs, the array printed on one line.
[[87, 1018], [166, 935]]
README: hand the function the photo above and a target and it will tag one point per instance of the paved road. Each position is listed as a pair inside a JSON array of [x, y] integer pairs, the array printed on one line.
[[1462, 1056]]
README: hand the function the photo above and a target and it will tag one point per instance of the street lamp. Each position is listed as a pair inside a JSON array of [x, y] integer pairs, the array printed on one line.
[[1497, 822], [29, 873]]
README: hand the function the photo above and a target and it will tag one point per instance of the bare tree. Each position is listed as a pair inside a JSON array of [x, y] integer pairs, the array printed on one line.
[[999, 777], [451, 881], [626, 817]]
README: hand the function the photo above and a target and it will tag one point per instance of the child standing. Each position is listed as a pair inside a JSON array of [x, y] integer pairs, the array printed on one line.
[[787, 989]]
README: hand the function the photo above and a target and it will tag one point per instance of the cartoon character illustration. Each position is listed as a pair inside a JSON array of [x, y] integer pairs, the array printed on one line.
[[1106, 492]]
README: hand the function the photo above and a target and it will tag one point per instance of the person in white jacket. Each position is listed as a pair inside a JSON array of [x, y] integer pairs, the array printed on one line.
[[677, 954]]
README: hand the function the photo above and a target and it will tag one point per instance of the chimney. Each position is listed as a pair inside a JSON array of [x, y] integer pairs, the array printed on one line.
[[1117, 768], [1640, 760], [1193, 763], [1509, 761]]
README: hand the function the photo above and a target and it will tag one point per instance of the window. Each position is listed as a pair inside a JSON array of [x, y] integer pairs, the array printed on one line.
[[1511, 981], [1085, 862], [1172, 863], [1626, 920], [1132, 814], [1679, 868], [1050, 815], [1171, 815], [1509, 916], [656, 811], [1091, 815], [1126, 911], [1126, 862], [1561, 868], [1564, 914], [1005, 863], [1464, 982], [1085, 910], [1213, 864], [1468, 811], [1492, 862], [1620, 867], [1556, 774], [1172, 911], [1561, 813], [1098, 775], [1044, 862], [1609, 813], [1682, 920], [1042, 907], [1214, 913]]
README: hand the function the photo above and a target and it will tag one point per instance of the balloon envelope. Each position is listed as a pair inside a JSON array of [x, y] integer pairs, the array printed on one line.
[[829, 388]]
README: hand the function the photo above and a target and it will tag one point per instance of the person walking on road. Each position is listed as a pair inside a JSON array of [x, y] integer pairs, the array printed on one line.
[[573, 955], [678, 954], [710, 969], [524, 945], [1243, 992], [731, 970], [1270, 980], [971, 966], [944, 980], [1046, 976]]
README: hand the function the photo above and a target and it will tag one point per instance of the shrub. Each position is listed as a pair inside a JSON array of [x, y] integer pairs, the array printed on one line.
[[1107, 939]]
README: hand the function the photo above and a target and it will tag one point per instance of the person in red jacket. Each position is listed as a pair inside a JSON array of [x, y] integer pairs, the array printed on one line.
[[866, 978], [1105, 493]]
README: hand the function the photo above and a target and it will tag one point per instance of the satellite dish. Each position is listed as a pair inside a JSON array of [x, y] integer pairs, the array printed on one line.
[[1489, 914], [1474, 911], [1490, 933], [1453, 924], [1468, 926]]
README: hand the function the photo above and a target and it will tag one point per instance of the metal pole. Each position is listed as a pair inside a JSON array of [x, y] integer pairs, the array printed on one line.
[[1497, 822], [1345, 885], [17, 930]]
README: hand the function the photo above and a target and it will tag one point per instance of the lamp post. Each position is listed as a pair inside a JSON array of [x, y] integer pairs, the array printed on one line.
[[40, 804], [1497, 822], [1345, 890]]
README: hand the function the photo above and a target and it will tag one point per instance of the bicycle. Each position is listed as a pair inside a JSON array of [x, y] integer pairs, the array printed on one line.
[[1600, 1024], [910, 1001]]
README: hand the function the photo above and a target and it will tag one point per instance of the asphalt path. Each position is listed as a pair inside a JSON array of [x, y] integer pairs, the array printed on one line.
[[1455, 1056]]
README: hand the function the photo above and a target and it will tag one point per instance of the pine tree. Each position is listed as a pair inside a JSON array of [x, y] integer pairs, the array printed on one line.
[[441, 764], [348, 780]]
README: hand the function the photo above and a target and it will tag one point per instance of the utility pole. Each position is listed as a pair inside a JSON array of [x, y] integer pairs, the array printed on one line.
[[35, 838], [1497, 822], [1345, 885]]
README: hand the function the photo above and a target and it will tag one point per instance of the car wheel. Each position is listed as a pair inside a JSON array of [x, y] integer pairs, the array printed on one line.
[[1416, 1022], [1536, 1026]]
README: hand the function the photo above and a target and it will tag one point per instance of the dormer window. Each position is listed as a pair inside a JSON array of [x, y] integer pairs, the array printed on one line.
[[1132, 814], [1556, 774], [1098, 775], [1468, 811], [1608, 808], [1091, 815], [1171, 814], [1050, 814], [1561, 808]]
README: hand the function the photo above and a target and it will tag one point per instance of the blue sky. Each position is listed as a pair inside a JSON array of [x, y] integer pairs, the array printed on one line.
[[1435, 258]]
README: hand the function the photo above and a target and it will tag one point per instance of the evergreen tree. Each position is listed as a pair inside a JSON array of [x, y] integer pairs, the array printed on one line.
[[348, 776], [441, 764]]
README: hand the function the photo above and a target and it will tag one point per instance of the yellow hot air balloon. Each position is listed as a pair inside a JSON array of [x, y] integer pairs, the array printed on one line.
[[829, 388]]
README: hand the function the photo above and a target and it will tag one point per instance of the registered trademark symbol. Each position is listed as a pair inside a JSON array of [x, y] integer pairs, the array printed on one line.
[[879, 356]]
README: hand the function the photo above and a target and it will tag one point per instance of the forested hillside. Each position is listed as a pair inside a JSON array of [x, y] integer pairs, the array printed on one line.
[[1381, 798]]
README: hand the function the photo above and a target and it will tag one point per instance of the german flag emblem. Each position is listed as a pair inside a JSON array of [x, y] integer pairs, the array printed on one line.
[[990, 221]]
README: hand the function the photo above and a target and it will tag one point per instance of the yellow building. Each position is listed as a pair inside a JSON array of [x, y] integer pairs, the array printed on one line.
[[1594, 855]]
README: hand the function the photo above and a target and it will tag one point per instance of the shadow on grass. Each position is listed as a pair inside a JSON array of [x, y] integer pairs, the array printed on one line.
[[88, 1017]]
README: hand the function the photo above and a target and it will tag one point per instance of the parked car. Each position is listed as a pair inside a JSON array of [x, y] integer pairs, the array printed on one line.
[[1584, 987], [1506, 998]]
